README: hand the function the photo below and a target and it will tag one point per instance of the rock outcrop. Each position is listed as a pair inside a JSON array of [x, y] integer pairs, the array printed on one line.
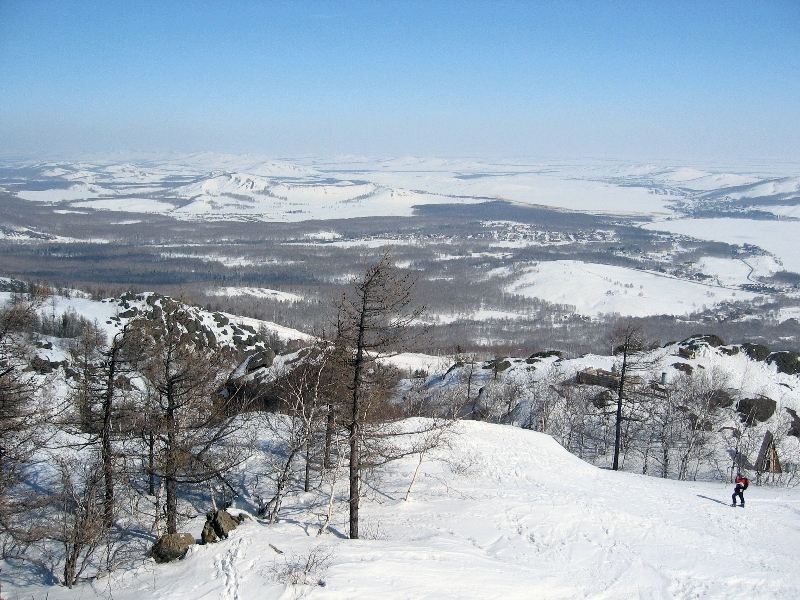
[[218, 525], [172, 546]]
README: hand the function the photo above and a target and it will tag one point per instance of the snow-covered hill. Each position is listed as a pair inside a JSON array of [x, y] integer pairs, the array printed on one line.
[[501, 513], [496, 512]]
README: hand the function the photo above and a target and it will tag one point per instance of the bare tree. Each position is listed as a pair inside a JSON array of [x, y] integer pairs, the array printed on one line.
[[628, 345], [700, 407], [374, 317], [187, 415], [543, 398], [306, 389], [80, 526], [102, 368], [20, 415]]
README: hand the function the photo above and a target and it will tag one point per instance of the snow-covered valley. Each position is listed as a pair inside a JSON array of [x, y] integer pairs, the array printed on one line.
[[594, 237]]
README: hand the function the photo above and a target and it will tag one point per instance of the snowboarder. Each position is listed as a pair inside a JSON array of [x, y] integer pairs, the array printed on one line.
[[741, 486]]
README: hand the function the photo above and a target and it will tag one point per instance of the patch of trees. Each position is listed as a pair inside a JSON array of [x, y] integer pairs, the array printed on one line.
[[693, 424], [158, 418]]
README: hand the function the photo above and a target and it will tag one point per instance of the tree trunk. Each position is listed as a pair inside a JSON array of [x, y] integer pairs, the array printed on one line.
[[329, 427], [172, 504], [171, 467], [355, 480], [281, 490], [70, 564], [620, 394], [105, 451], [355, 422], [151, 464], [308, 462]]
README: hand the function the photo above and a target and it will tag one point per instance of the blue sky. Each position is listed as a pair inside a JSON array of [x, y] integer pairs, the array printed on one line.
[[631, 80]]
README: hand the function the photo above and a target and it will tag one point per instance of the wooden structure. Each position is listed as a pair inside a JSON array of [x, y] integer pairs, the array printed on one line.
[[604, 378], [768, 461]]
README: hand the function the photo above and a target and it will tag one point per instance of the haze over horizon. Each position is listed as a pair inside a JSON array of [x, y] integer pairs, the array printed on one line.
[[628, 80]]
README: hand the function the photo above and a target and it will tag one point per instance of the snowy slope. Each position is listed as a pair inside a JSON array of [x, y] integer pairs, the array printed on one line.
[[497, 512], [777, 237], [503, 513], [595, 289], [112, 313]]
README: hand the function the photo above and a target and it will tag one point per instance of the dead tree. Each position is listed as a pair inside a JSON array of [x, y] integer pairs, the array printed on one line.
[[20, 417], [80, 526], [374, 317], [102, 368], [188, 417], [628, 344], [306, 388]]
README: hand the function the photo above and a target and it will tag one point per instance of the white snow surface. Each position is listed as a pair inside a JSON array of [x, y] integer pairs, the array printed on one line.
[[594, 289], [787, 185], [106, 314], [784, 210], [694, 179], [256, 293], [252, 187], [74, 192], [780, 238], [134, 205], [502, 513], [738, 271]]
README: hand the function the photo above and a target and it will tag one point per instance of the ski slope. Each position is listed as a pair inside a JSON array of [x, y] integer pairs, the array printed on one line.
[[501, 513]]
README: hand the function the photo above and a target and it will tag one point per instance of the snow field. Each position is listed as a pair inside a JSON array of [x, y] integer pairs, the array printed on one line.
[[596, 289], [777, 237], [694, 179], [256, 293], [563, 190], [133, 205], [497, 512], [738, 271], [74, 192]]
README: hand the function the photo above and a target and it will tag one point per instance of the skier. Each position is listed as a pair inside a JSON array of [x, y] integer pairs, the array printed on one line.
[[741, 486]]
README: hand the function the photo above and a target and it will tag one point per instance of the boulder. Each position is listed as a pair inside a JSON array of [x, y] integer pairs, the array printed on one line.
[[709, 339], [794, 426], [729, 350], [498, 365], [603, 399], [261, 360], [537, 356], [43, 366], [756, 351], [720, 399], [172, 546], [688, 369], [756, 409], [218, 525], [208, 536], [786, 361]]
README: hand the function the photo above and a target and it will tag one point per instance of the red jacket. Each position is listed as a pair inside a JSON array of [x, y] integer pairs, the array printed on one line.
[[743, 481]]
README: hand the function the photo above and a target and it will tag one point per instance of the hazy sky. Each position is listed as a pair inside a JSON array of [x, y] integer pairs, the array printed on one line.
[[634, 80]]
